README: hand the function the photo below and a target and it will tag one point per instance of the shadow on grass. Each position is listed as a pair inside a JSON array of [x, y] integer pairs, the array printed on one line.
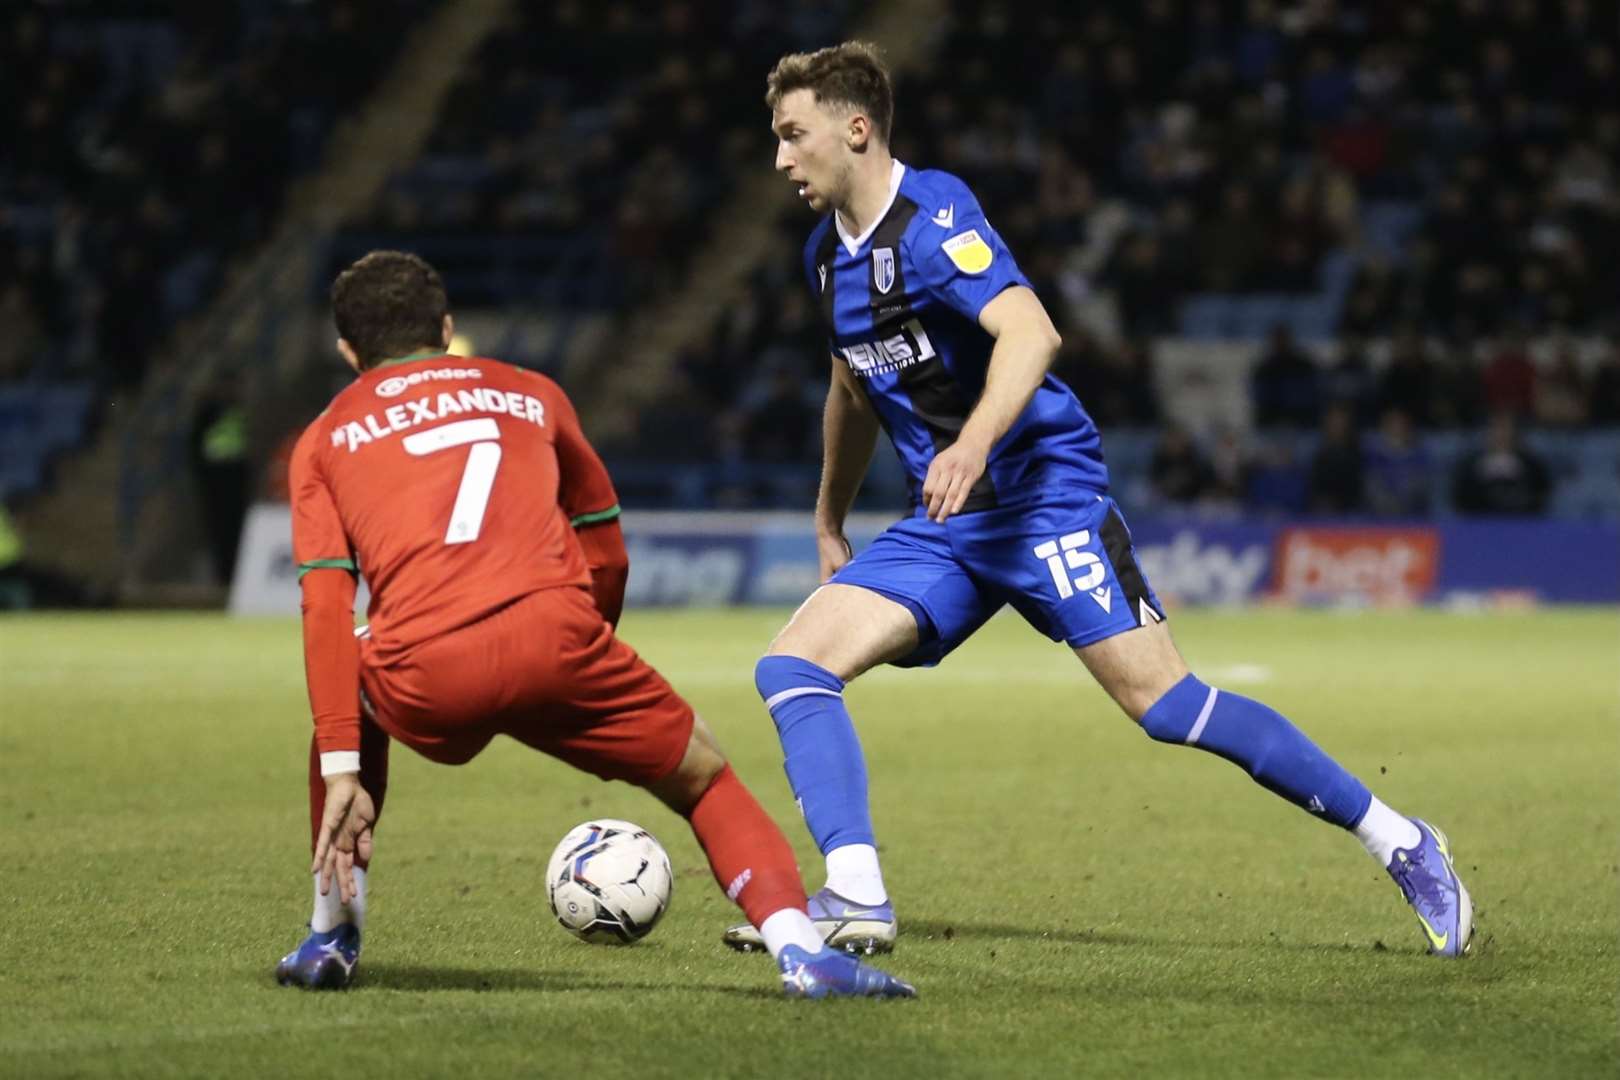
[[954, 930], [422, 979]]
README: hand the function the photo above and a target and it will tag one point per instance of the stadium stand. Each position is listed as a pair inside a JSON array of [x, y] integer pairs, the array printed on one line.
[[150, 143], [1429, 178], [580, 151], [1422, 199]]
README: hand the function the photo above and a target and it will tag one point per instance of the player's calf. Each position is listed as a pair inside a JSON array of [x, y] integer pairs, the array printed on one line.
[[1282, 759]]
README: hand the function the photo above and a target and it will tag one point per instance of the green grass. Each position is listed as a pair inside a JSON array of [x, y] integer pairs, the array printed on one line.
[[1074, 897]]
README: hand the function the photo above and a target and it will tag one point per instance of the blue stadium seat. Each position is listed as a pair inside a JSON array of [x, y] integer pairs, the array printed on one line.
[[1388, 226], [1335, 274], [1206, 316], [1256, 315], [1314, 318]]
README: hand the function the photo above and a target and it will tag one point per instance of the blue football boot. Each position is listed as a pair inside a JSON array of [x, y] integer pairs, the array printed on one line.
[[1428, 879], [325, 960], [832, 973], [862, 929]]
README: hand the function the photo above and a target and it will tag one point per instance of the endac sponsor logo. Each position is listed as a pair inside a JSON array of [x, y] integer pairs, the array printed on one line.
[[1388, 564]]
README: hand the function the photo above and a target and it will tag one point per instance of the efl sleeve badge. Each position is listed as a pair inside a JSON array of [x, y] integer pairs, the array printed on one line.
[[969, 252]]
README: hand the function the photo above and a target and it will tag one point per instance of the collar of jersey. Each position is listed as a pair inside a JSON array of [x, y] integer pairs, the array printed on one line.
[[853, 243], [425, 354]]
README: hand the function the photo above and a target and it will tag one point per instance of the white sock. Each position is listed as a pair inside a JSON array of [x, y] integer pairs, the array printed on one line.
[[853, 873], [790, 926], [331, 912], [1382, 830]]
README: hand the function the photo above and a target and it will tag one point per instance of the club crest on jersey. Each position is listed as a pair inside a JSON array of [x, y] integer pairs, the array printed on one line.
[[883, 268], [969, 252], [821, 271]]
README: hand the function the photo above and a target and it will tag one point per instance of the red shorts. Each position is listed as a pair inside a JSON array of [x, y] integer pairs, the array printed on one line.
[[549, 672]]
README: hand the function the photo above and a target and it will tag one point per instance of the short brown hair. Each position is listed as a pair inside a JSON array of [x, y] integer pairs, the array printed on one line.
[[389, 303], [852, 74]]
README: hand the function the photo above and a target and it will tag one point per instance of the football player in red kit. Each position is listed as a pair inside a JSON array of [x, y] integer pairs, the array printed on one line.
[[465, 493]]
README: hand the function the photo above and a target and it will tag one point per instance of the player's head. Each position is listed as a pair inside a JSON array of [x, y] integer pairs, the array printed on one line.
[[828, 108], [390, 303]]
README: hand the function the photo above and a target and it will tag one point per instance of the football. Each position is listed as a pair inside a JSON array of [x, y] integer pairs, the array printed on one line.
[[609, 882]]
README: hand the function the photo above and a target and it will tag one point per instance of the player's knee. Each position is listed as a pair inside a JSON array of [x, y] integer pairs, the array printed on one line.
[[781, 678], [1175, 714], [698, 768]]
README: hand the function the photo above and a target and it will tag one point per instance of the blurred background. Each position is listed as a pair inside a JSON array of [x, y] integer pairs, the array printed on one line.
[[1339, 281]]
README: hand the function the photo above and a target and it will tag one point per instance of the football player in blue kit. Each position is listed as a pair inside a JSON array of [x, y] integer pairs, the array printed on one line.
[[937, 338]]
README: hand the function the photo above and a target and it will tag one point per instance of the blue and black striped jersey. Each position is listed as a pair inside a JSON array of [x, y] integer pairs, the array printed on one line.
[[901, 305]]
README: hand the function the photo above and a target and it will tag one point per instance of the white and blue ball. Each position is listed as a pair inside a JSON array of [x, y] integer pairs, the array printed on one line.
[[609, 882]]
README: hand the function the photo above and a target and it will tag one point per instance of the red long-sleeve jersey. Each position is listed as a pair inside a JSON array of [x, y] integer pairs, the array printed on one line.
[[454, 486]]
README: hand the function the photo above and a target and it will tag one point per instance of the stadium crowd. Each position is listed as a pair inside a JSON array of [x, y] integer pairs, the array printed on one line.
[[1169, 150], [1438, 185], [147, 143]]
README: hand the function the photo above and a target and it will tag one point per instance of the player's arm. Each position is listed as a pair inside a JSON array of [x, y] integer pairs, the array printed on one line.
[[585, 491], [849, 428], [326, 573], [1026, 344]]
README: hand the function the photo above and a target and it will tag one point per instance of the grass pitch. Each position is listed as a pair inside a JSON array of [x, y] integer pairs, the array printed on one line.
[[1074, 898]]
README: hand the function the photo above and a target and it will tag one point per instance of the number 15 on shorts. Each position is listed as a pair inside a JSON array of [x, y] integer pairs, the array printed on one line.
[[1067, 555]]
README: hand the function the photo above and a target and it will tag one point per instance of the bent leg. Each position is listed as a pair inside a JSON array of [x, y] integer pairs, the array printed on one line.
[[847, 630], [1144, 673], [1142, 670], [839, 633], [750, 858]]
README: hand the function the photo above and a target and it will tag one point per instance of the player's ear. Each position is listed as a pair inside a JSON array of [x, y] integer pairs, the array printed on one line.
[[859, 132], [350, 357], [449, 329]]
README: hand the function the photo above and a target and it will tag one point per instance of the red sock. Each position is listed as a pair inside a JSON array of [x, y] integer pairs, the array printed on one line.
[[373, 777], [749, 855]]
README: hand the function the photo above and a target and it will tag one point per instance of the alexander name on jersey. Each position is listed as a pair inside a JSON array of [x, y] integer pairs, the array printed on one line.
[[431, 407]]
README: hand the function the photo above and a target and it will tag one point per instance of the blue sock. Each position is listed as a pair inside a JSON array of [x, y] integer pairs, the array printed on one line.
[[1260, 739], [821, 754]]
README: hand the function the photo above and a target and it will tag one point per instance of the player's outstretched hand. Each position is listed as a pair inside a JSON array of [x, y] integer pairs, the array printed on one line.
[[832, 551], [345, 833], [951, 476]]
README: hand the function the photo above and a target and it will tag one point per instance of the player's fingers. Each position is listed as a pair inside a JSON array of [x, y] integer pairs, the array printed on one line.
[[331, 818], [963, 489], [323, 844], [328, 869], [362, 845], [934, 493], [951, 501], [345, 875]]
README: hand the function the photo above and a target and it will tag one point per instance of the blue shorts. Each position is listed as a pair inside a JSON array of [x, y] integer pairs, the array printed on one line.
[[1065, 563]]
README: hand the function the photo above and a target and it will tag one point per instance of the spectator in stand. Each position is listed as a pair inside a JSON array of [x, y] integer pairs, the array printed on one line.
[[1145, 287], [1456, 398], [1179, 474], [1337, 483], [1561, 394], [1504, 476], [1605, 395], [779, 427], [1398, 469], [1228, 472], [1285, 385], [1349, 381], [1232, 244], [1509, 378], [1408, 381]]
